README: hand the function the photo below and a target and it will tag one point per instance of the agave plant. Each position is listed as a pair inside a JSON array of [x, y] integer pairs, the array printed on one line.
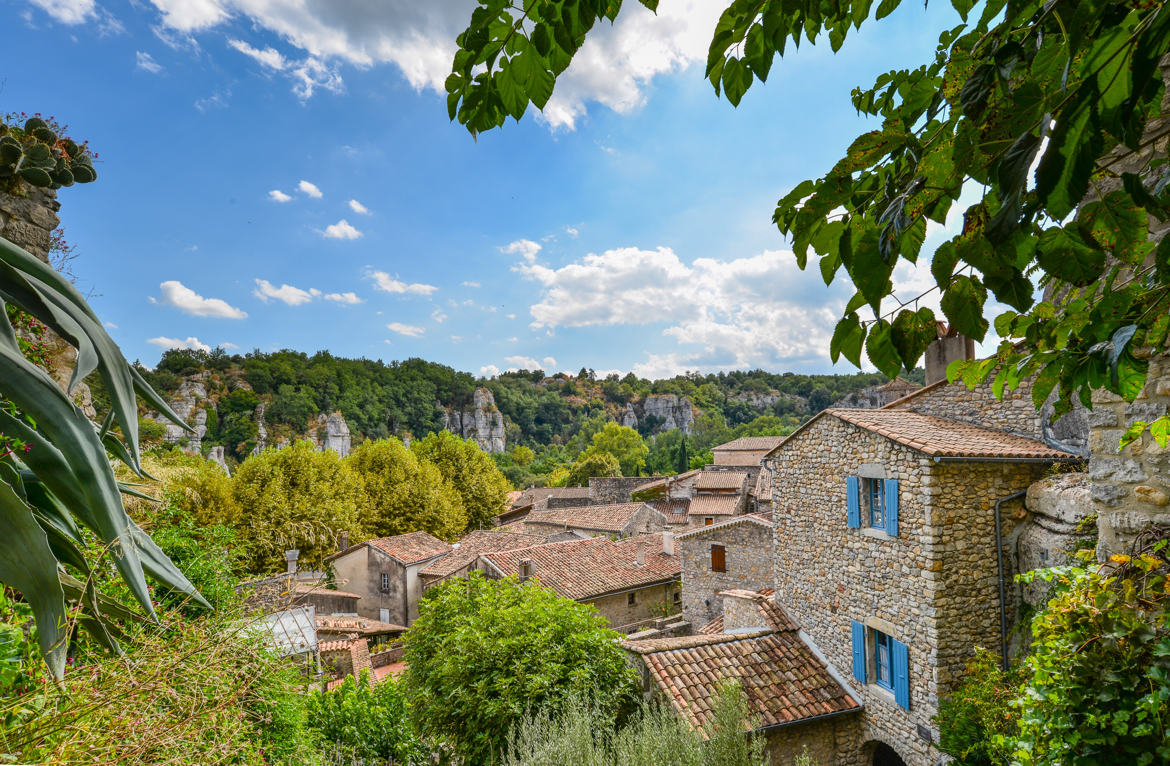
[[63, 478]]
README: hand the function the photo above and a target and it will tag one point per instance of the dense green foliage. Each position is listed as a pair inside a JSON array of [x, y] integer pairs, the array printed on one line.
[[1056, 83], [36, 151], [977, 721], [583, 735], [367, 721], [484, 652], [481, 487], [402, 493]]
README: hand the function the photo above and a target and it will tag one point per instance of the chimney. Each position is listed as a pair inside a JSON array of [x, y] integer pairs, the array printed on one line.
[[525, 569], [641, 555], [291, 558], [741, 611], [342, 540], [950, 346], [668, 543]]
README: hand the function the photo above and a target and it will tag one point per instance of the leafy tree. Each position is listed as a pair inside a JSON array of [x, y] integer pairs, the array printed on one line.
[[624, 444], [1056, 83], [367, 720], [242, 401], [239, 433], [483, 652], [589, 465], [471, 471], [523, 455], [203, 493], [683, 462], [819, 398], [150, 433], [54, 468], [296, 497], [401, 492], [663, 452], [292, 406]]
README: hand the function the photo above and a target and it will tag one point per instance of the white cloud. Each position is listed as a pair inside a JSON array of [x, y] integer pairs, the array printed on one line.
[[228, 345], [146, 62], [471, 284], [269, 58], [438, 315], [341, 230], [614, 67], [489, 371], [358, 207], [217, 100], [191, 343], [513, 339], [409, 330], [310, 189], [111, 325], [349, 299], [276, 195], [292, 296], [523, 363], [68, 11], [572, 231], [524, 247], [389, 284], [549, 362], [178, 295]]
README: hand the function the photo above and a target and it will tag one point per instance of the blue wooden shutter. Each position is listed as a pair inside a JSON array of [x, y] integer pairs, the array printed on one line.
[[900, 660], [859, 651], [892, 507], [852, 497]]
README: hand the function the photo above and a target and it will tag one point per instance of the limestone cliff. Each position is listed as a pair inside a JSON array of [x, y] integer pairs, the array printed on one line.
[[483, 422], [666, 411]]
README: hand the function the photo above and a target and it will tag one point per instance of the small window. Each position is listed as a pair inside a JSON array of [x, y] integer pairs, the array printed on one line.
[[882, 666], [631, 599], [877, 502], [718, 558], [678, 597], [385, 583], [708, 521]]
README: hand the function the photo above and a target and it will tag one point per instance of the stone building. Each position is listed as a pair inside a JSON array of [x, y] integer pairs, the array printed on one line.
[[620, 520], [750, 450], [467, 551], [885, 524], [542, 498], [733, 555], [631, 581], [385, 573]]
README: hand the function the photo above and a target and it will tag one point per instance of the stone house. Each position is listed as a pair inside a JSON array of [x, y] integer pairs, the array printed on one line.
[[797, 697], [734, 554], [631, 581], [385, 573], [543, 498], [750, 450], [886, 524], [466, 552], [620, 520]]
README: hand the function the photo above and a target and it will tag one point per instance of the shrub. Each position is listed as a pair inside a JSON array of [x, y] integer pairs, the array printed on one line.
[[366, 721], [976, 722]]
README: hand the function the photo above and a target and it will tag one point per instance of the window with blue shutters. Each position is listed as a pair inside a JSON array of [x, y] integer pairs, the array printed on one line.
[[853, 501], [890, 507], [883, 671], [882, 660], [900, 664], [859, 651], [877, 503]]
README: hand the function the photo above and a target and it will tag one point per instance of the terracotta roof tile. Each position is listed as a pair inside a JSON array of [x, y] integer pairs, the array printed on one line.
[[939, 437], [764, 518], [411, 548], [365, 626], [750, 444], [584, 569], [720, 480], [338, 645], [538, 495], [713, 505], [305, 589], [782, 680], [470, 547], [595, 518], [763, 488]]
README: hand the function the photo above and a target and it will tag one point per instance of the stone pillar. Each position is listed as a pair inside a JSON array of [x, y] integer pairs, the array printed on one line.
[[28, 221], [946, 349]]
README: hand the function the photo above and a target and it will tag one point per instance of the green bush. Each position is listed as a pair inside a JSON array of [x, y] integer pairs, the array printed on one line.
[[366, 721], [976, 723]]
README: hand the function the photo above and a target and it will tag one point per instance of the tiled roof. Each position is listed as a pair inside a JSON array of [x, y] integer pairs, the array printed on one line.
[[782, 680], [749, 444], [597, 518], [678, 519], [365, 626], [480, 541], [763, 519], [339, 645], [584, 569], [938, 437], [668, 507], [537, 495], [763, 488], [304, 589], [720, 480], [713, 505], [411, 548], [771, 615]]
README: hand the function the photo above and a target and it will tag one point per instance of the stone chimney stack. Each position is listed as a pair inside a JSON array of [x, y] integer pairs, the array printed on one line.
[[741, 611], [291, 558], [668, 543], [949, 346], [640, 560], [342, 540], [525, 569]]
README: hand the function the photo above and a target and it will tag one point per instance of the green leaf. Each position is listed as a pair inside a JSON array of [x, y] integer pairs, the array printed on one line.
[[510, 83], [942, 264], [963, 305], [911, 333], [885, 8], [736, 80], [1062, 178], [847, 339], [1115, 223], [870, 147], [1064, 255], [869, 271], [879, 347]]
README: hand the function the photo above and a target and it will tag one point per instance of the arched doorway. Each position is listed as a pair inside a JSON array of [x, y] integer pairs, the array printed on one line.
[[884, 755]]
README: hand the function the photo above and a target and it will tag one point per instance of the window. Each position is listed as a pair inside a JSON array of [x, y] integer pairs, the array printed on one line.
[[678, 597], [385, 583], [718, 558], [631, 599], [883, 675], [708, 521], [877, 503]]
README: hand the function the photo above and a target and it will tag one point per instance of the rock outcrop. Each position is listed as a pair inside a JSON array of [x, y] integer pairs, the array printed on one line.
[[188, 404], [216, 455], [336, 434], [483, 423], [1057, 505], [670, 411]]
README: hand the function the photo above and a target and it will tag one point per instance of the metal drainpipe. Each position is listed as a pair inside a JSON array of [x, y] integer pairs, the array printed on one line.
[[1003, 651]]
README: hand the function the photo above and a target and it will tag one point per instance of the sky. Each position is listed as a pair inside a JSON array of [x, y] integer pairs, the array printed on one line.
[[283, 174]]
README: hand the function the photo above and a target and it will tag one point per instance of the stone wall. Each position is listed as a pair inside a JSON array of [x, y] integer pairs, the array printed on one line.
[[607, 490], [933, 587], [829, 742], [749, 554], [647, 606], [1015, 414], [29, 221]]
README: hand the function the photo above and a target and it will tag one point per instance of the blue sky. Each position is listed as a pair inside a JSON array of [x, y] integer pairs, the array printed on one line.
[[282, 174]]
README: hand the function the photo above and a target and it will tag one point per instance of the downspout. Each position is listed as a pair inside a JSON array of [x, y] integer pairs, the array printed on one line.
[[1003, 642]]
